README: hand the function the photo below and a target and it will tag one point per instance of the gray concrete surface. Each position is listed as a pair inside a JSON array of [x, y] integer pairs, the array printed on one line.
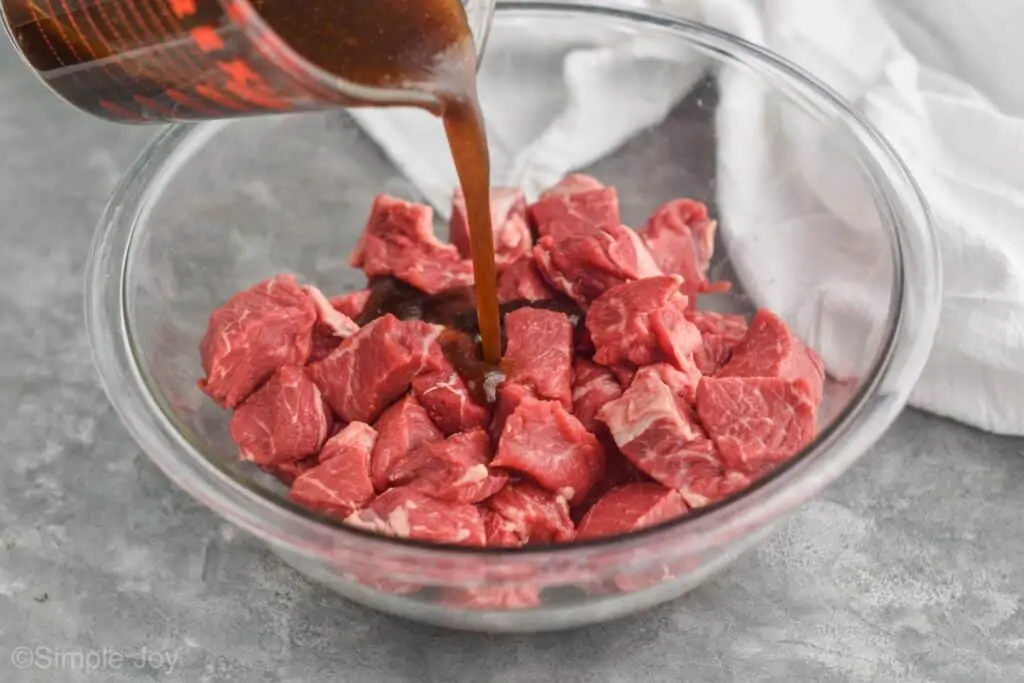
[[910, 569]]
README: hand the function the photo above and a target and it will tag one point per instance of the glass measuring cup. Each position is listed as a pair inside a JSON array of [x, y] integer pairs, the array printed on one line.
[[147, 61]]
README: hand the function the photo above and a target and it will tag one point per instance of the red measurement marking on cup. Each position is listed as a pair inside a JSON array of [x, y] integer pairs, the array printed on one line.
[[249, 85], [207, 39], [211, 93], [183, 8]]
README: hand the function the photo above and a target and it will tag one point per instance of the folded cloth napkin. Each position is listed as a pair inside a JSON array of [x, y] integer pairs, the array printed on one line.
[[936, 77]]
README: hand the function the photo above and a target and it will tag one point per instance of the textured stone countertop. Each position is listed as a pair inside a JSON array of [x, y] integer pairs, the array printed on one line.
[[911, 568]]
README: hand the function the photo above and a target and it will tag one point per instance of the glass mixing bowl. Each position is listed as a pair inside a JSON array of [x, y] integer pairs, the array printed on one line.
[[211, 209]]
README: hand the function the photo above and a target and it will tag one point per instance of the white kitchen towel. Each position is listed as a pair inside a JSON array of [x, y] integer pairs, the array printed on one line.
[[937, 77]]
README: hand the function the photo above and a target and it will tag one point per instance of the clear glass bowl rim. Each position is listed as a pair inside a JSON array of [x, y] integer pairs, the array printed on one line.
[[912, 324]]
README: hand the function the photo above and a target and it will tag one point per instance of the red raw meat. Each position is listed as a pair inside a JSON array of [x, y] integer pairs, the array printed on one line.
[[322, 344], [352, 304], [564, 214], [720, 334], [593, 387], [327, 316], [714, 353], [770, 349], [624, 373], [286, 472], [546, 442], [584, 266], [671, 408], [756, 422], [512, 238], [332, 326], [525, 514], [521, 281], [454, 470], [353, 436], [252, 335], [630, 508], [538, 353], [447, 399], [709, 322], [492, 597], [340, 484], [509, 397], [373, 368], [707, 483], [642, 322], [682, 239], [284, 421], [405, 512], [657, 430], [683, 383], [399, 241], [572, 184], [401, 428]]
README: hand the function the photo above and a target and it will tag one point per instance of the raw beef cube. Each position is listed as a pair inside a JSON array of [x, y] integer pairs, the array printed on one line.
[[682, 239], [447, 399], [502, 533], [399, 241], [357, 436], [252, 335], [720, 334], [405, 512], [538, 353], [352, 304], [525, 514], [683, 383], [542, 439], [630, 508], [619, 471], [756, 421], [642, 322], [287, 472], [709, 483], [584, 344], [512, 238], [715, 351], [332, 326], [657, 430], [340, 484], [572, 184], [584, 266], [330, 318], [284, 421], [624, 373], [454, 470], [709, 322], [402, 428], [770, 349], [509, 398], [492, 597], [593, 387], [521, 281], [322, 344], [373, 368], [565, 214]]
